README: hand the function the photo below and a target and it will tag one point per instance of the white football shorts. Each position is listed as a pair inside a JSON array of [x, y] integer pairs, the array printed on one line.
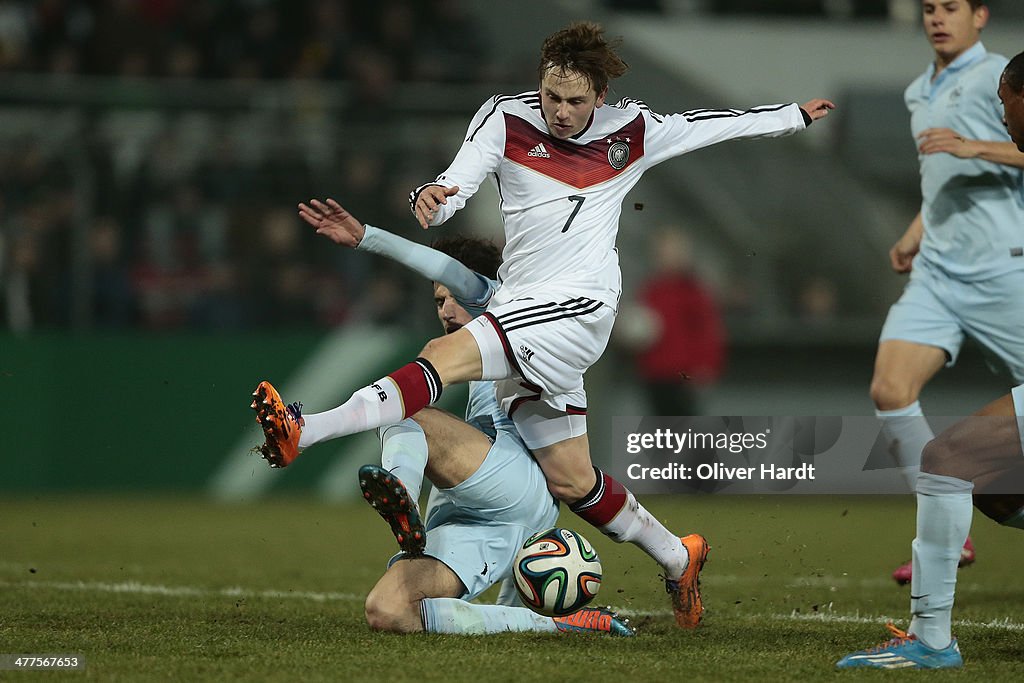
[[540, 349]]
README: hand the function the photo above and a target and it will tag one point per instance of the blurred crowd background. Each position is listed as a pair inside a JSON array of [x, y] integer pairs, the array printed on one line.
[[152, 153], [430, 40], [150, 160]]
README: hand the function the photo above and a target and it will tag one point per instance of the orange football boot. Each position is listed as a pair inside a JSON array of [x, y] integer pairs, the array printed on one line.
[[685, 591], [282, 424]]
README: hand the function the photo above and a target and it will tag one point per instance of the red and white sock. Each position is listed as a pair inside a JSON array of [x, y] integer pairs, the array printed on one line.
[[613, 509], [388, 400]]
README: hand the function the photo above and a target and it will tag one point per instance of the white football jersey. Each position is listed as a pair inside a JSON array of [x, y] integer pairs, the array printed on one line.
[[561, 199]]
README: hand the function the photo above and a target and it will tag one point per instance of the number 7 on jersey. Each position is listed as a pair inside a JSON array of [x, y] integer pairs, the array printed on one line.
[[578, 201]]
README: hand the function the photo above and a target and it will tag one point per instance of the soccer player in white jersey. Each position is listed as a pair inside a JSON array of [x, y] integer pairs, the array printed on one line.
[[965, 248], [489, 495], [981, 457], [563, 161]]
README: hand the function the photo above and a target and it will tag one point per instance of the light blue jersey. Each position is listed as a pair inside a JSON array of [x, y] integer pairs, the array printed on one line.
[[472, 290], [973, 210], [484, 413], [476, 301]]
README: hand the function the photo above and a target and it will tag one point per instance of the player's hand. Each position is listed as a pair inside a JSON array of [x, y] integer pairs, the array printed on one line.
[[903, 252], [333, 221], [818, 108], [430, 198], [935, 140]]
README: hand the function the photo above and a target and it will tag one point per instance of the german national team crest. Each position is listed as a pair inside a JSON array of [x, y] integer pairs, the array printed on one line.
[[618, 155]]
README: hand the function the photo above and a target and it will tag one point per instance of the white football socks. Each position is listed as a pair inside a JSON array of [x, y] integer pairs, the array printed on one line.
[[908, 433], [635, 524], [944, 512], [365, 410], [404, 454], [451, 615]]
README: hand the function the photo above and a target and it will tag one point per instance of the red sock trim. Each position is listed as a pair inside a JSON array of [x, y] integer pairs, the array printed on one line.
[[605, 501], [412, 388]]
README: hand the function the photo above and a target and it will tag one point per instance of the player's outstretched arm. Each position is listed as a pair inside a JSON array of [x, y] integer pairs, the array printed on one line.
[[429, 200], [817, 108], [938, 140], [671, 135], [333, 221]]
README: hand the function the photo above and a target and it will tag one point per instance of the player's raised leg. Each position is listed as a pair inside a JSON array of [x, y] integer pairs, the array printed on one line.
[[446, 360]]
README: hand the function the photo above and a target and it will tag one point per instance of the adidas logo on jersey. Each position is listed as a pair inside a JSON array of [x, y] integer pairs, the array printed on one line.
[[539, 151]]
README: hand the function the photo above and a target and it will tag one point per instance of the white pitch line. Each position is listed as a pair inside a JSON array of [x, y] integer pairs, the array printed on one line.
[[845, 581], [994, 624], [134, 587], [825, 617], [828, 581]]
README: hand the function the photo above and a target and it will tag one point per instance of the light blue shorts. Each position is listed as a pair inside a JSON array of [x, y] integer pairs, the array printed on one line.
[[477, 527], [939, 310]]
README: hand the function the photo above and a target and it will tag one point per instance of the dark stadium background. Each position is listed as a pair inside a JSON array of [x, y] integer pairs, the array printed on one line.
[[152, 267]]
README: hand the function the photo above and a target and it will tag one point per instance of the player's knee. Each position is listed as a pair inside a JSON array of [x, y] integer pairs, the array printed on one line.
[[387, 612], [452, 358], [889, 395], [568, 492], [940, 457], [936, 456], [432, 348]]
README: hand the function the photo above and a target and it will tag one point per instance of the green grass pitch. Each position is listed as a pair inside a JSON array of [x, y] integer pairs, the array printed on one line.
[[182, 589]]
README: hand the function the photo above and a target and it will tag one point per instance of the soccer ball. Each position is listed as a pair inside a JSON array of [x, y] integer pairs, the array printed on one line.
[[557, 572]]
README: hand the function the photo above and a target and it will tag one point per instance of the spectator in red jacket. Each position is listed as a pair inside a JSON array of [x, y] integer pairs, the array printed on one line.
[[686, 345]]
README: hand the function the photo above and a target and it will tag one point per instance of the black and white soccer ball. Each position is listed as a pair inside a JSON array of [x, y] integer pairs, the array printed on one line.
[[557, 572]]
